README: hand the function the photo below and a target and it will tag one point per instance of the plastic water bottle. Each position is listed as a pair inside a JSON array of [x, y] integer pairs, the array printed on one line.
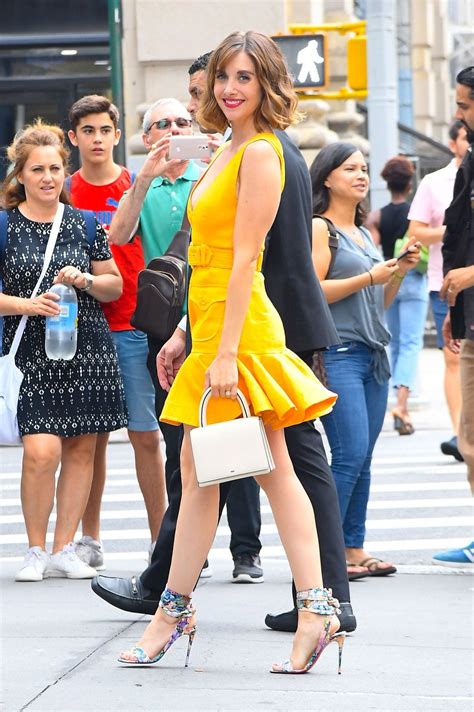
[[61, 330]]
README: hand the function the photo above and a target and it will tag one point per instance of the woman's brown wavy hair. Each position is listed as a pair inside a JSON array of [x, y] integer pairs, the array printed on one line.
[[39, 133], [278, 108]]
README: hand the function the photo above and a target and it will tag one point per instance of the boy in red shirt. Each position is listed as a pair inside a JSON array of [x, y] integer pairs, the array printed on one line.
[[98, 185]]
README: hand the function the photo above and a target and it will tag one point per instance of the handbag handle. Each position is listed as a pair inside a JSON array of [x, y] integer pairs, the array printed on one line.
[[205, 400], [47, 259]]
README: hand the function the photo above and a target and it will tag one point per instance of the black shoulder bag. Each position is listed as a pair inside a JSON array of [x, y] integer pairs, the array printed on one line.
[[162, 288]]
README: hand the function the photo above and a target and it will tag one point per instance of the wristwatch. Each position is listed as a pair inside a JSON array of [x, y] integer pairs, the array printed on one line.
[[89, 281]]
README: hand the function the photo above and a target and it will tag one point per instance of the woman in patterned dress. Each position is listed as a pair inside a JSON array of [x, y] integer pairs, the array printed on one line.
[[62, 404]]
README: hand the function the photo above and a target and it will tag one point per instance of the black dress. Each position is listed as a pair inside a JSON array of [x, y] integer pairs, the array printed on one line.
[[66, 398]]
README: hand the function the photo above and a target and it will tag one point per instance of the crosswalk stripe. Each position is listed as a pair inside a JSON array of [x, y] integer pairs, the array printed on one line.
[[397, 487], [375, 504], [270, 551], [411, 465], [266, 529], [111, 514]]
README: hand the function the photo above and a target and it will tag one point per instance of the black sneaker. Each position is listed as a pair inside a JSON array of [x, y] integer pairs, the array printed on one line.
[[247, 569], [450, 447]]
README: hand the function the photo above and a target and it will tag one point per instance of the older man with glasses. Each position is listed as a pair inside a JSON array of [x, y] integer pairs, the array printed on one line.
[[154, 208]]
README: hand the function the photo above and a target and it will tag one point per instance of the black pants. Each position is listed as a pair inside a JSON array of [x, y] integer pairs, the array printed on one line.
[[306, 450], [243, 507]]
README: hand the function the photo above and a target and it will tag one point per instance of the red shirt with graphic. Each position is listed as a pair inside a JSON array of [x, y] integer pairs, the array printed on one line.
[[104, 200]]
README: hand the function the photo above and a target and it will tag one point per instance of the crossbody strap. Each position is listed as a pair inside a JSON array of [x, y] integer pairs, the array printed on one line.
[[180, 242], [333, 241], [47, 259]]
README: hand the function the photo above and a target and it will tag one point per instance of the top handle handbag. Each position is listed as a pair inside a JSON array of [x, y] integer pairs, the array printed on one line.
[[230, 450]]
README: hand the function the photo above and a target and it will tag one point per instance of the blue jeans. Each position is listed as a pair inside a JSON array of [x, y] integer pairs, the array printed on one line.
[[439, 307], [406, 318], [352, 429]]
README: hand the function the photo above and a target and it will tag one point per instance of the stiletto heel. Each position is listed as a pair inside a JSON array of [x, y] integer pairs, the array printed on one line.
[[175, 605], [340, 639], [321, 602], [191, 635]]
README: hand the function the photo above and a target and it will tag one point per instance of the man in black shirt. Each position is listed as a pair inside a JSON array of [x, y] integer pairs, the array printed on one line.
[[294, 289], [458, 289]]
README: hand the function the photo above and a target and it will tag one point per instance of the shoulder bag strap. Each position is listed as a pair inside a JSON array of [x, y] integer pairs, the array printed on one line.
[[180, 242], [47, 259], [333, 240]]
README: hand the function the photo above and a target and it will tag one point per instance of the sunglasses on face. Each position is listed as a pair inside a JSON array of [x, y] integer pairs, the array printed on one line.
[[163, 124]]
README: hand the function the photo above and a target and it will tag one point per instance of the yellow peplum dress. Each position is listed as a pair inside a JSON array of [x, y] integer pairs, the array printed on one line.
[[278, 385]]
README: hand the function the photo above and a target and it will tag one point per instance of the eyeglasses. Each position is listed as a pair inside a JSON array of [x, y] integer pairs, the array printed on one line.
[[163, 124]]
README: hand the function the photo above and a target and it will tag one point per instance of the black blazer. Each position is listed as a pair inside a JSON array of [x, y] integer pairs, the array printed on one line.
[[290, 280], [458, 219]]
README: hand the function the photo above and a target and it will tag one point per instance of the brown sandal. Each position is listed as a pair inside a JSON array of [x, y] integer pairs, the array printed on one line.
[[402, 425], [355, 575], [372, 565]]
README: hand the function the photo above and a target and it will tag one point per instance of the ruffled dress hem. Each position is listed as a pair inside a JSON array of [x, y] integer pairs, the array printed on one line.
[[279, 387]]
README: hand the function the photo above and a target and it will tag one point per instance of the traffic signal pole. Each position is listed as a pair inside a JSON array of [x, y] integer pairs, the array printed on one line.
[[382, 99]]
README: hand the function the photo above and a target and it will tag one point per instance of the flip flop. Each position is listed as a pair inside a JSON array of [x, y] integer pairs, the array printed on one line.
[[353, 576], [372, 565]]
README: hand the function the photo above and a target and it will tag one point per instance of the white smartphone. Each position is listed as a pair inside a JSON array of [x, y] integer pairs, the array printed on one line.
[[186, 148]]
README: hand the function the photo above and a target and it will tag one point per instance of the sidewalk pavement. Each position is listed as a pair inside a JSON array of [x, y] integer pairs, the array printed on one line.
[[411, 651]]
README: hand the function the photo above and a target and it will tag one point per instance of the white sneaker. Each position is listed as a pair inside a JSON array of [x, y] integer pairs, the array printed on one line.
[[90, 551], [34, 565], [66, 563]]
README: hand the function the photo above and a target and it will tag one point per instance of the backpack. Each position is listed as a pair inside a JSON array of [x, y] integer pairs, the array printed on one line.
[[162, 289]]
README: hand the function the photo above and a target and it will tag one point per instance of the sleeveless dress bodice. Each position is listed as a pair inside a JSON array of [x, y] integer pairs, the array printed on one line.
[[278, 385]]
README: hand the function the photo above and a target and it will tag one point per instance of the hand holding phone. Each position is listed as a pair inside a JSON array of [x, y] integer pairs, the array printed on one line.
[[403, 254], [186, 148], [408, 251]]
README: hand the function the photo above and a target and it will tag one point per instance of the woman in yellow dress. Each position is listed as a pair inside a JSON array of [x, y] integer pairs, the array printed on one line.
[[239, 342]]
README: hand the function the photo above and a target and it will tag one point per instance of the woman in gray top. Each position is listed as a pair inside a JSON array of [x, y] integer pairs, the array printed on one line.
[[358, 285]]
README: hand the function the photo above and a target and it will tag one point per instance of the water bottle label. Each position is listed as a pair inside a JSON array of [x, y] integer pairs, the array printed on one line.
[[66, 320]]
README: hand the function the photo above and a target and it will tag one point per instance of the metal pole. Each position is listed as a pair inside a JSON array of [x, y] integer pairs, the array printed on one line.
[[116, 78], [382, 101]]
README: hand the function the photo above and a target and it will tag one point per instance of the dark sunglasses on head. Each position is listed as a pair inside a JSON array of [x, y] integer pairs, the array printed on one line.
[[163, 124]]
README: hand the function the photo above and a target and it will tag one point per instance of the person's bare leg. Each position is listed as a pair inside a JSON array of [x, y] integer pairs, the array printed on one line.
[[195, 531], [294, 517], [41, 457], [151, 475], [452, 387], [74, 486], [91, 516]]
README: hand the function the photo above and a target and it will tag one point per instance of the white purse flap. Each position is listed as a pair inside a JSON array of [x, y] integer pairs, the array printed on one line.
[[230, 450]]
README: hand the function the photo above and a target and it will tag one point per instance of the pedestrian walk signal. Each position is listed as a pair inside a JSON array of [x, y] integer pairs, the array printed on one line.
[[306, 59]]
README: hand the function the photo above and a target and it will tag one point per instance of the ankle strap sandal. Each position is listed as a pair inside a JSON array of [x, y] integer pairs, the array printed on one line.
[[317, 600]]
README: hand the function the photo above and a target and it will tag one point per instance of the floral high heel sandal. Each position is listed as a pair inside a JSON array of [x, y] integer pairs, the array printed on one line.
[[321, 602], [175, 605]]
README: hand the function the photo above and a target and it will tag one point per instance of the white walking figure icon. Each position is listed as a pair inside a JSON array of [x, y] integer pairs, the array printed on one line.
[[308, 57]]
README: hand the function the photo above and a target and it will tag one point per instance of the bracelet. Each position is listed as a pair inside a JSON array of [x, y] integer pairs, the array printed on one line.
[[398, 276], [371, 278]]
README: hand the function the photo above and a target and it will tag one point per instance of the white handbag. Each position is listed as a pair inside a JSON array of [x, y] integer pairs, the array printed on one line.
[[230, 450], [10, 375]]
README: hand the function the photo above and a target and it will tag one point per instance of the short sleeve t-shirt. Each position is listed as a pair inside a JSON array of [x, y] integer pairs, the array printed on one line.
[[433, 196], [104, 200], [163, 209]]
